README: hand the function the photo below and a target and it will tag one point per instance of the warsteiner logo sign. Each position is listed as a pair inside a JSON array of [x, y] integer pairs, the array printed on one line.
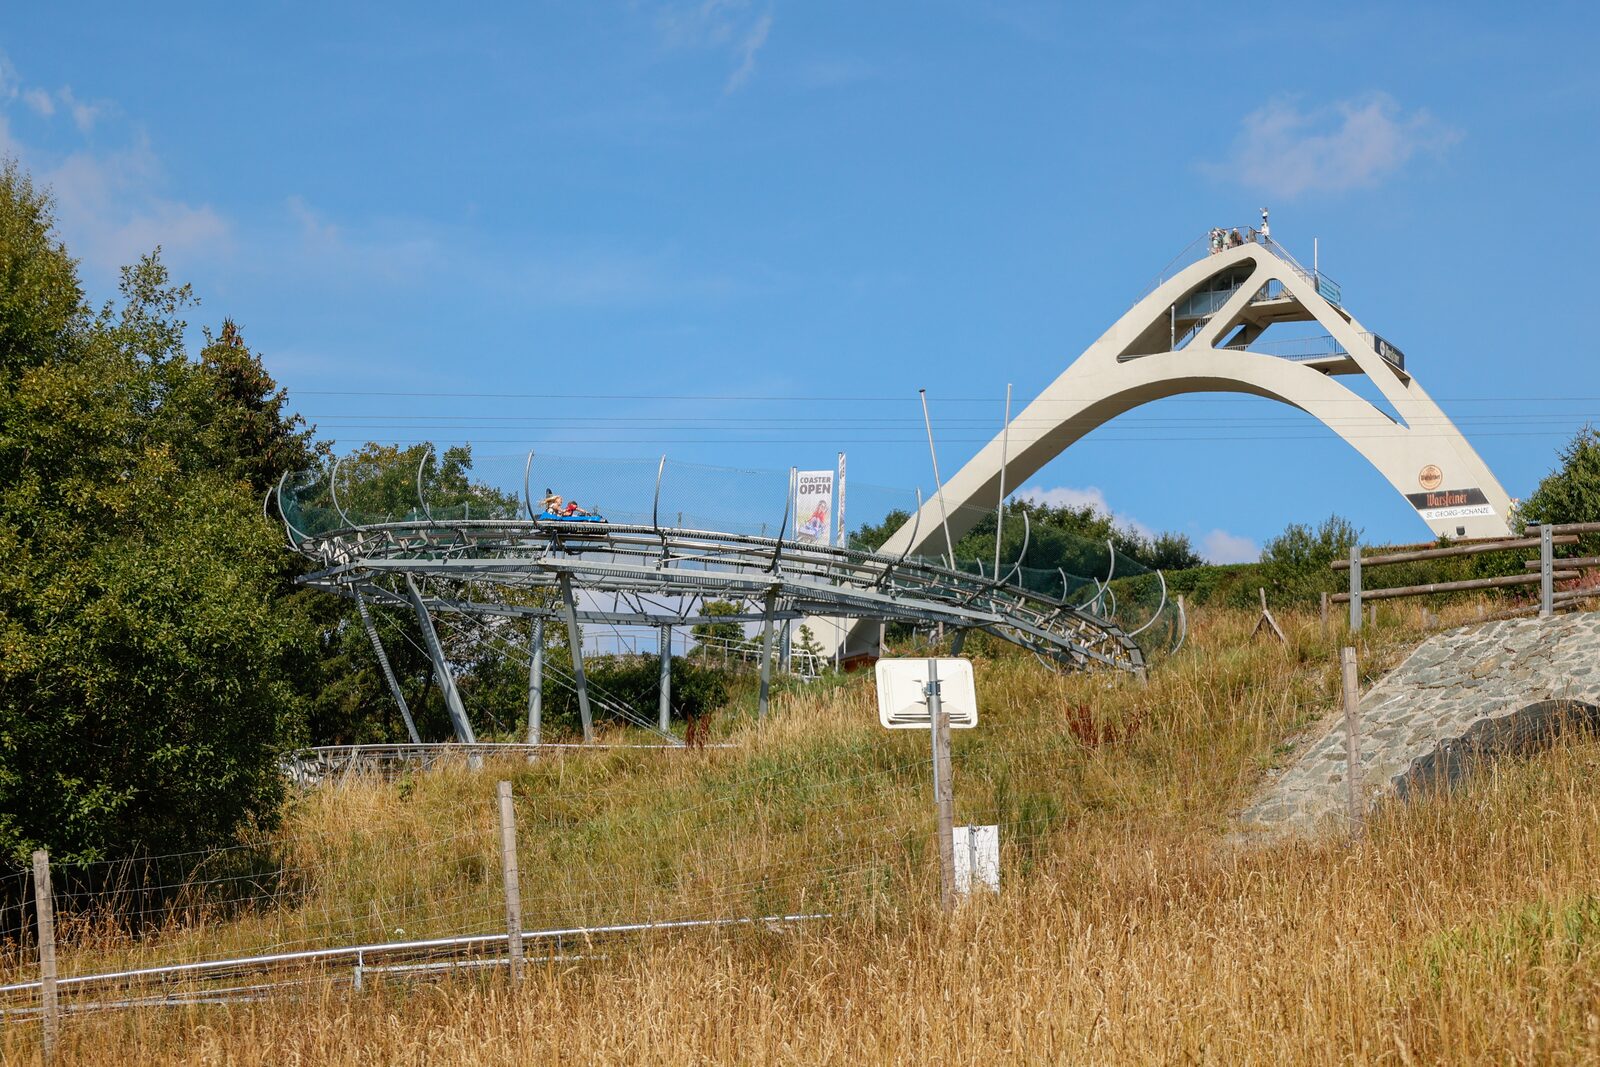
[[1430, 477], [1450, 503]]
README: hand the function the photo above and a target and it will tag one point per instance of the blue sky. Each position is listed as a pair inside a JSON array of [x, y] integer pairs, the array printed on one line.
[[430, 222]]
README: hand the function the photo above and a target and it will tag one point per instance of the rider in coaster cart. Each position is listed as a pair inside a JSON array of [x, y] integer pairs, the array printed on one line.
[[556, 508]]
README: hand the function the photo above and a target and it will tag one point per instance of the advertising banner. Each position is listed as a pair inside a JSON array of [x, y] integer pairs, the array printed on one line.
[[813, 507], [1450, 503]]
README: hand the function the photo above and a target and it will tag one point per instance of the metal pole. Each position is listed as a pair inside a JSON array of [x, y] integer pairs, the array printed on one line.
[[441, 669], [766, 654], [1355, 589], [575, 644], [44, 912], [508, 879], [938, 483], [972, 858], [386, 669], [1547, 582], [1172, 328], [843, 543], [786, 648], [943, 796], [1352, 734], [1000, 507], [666, 677], [536, 683]]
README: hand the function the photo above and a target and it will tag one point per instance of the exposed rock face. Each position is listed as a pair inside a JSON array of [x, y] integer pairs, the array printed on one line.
[[1463, 695]]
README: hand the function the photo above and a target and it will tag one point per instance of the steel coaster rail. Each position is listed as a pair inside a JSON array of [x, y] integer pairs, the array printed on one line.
[[616, 557]]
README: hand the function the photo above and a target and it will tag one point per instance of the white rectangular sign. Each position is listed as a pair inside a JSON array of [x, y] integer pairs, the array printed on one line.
[[813, 507], [902, 693], [977, 851]]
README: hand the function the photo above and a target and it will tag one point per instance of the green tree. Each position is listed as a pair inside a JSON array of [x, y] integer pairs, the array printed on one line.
[[148, 664], [1297, 564], [1571, 492], [721, 634]]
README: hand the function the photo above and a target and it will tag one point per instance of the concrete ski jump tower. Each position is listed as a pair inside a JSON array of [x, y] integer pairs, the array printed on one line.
[[1200, 331]]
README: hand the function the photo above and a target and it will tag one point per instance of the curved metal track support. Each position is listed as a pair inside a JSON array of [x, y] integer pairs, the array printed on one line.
[[1157, 613], [1027, 538], [527, 491], [288, 526], [422, 498], [655, 506], [333, 491]]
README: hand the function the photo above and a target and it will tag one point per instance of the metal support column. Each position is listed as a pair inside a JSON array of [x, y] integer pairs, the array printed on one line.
[[1355, 589], [575, 646], [666, 678], [386, 669], [943, 794], [441, 669], [536, 683], [1547, 574], [766, 654], [786, 647]]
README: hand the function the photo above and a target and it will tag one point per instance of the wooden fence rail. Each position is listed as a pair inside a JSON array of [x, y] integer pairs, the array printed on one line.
[[1544, 538]]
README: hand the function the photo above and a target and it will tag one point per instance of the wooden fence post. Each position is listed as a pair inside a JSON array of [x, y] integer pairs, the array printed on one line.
[[1324, 614], [508, 877], [1352, 735], [44, 910]]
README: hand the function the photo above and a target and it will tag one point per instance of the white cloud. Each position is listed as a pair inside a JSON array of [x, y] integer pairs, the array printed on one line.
[[1091, 496], [110, 205], [746, 51], [722, 25], [84, 114], [41, 102], [1220, 546], [1285, 150], [112, 209]]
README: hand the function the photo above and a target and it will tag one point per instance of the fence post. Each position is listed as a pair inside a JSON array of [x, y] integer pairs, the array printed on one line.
[[1355, 589], [1352, 734], [1547, 584], [943, 794], [44, 910], [1324, 614], [508, 877]]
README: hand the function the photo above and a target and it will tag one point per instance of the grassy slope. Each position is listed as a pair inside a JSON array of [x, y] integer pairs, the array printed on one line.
[[1129, 930]]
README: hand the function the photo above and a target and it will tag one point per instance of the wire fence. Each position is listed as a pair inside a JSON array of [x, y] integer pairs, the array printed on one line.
[[611, 843]]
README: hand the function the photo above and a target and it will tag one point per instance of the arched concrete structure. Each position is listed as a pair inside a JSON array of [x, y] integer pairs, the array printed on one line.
[[1199, 331]]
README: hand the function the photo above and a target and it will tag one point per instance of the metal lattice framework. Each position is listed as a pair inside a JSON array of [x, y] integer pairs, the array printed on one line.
[[662, 577], [486, 572]]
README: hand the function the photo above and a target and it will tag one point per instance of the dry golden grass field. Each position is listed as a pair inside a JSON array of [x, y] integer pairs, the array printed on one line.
[[1134, 927]]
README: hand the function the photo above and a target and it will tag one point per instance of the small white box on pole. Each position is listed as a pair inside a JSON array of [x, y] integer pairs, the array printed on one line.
[[977, 851], [903, 699]]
